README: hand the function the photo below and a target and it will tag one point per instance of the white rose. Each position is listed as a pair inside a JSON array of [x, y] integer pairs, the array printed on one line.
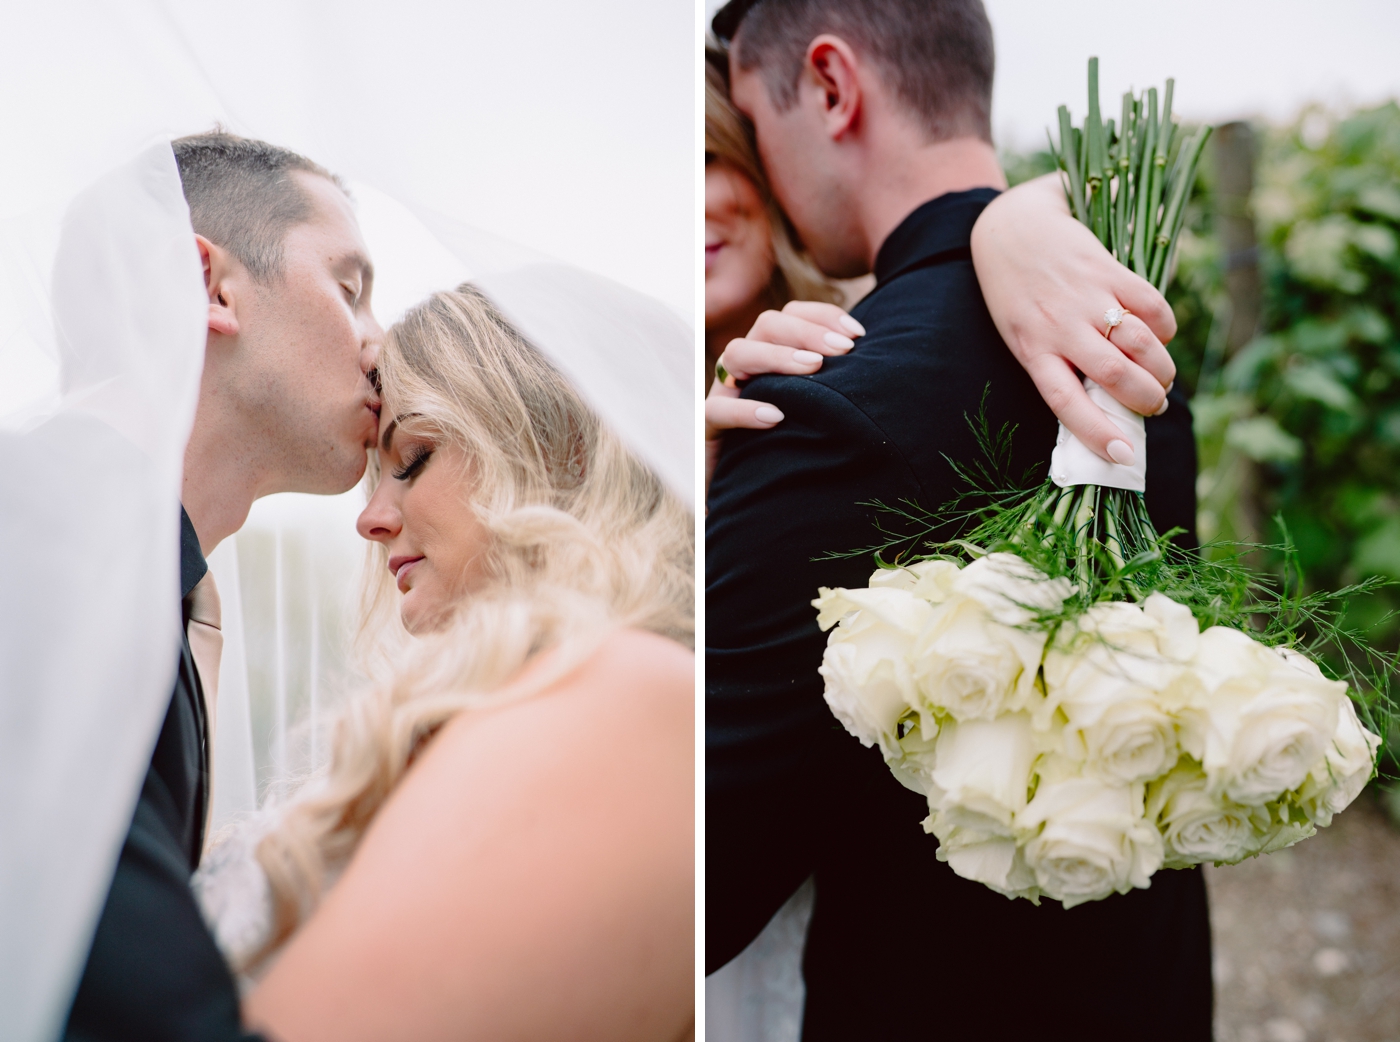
[[1084, 839], [980, 655], [931, 581], [979, 782], [1197, 827], [912, 758], [1344, 771], [1010, 589], [1109, 676], [971, 667], [869, 686], [1267, 722], [1119, 731], [1179, 635]]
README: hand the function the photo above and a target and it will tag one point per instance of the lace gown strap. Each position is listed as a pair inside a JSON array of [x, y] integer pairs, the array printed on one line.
[[233, 891]]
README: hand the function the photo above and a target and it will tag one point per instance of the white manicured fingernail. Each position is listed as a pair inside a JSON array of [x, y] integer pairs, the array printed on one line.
[[855, 328], [1121, 453], [1170, 386], [767, 414], [1163, 407], [836, 340], [806, 357]]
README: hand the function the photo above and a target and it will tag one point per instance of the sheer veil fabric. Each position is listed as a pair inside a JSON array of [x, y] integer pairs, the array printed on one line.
[[90, 621], [102, 326]]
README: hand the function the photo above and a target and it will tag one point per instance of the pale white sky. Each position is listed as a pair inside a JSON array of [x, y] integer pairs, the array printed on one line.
[[1230, 58], [568, 127]]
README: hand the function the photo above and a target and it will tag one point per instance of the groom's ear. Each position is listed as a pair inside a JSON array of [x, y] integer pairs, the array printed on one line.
[[218, 267], [831, 71]]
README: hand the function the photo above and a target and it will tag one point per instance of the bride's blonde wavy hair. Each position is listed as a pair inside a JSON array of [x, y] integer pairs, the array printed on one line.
[[583, 539]]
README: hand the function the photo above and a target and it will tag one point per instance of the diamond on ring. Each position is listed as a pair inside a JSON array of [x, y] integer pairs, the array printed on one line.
[[1113, 317]]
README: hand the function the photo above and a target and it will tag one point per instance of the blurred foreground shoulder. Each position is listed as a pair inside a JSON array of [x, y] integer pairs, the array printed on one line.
[[531, 877]]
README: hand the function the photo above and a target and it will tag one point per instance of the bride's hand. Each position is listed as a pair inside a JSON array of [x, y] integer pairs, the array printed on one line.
[[1047, 282], [794, 340]]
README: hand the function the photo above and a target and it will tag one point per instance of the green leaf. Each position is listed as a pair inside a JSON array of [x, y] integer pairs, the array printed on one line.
[[1211, 414], [1262, 439], [1388, 427], [1375, 239], [1243, 372], [1316, 380], [1381, 199], [1320, 251], [1319, 337], [1378, 553], [1368, 325]]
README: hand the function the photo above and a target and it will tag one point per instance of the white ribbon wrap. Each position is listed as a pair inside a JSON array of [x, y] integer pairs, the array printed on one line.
[[1074, 463]]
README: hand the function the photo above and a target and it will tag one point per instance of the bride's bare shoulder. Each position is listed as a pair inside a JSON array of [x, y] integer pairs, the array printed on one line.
[[632, 666], [634, 686]]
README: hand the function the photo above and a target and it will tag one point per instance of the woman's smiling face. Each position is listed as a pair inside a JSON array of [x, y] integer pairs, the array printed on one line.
[[738, 244], [421, 513]]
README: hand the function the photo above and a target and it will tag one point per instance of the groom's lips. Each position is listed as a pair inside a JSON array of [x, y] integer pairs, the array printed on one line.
[[401, 566]]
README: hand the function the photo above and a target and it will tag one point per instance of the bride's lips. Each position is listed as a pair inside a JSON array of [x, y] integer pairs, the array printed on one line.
[[401, 567], [711, 252]]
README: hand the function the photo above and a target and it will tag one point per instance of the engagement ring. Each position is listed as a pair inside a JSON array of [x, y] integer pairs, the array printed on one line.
[[1114, 317]]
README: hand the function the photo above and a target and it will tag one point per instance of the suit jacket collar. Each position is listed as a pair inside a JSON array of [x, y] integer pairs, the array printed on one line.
[[940, 226], [192, 562]]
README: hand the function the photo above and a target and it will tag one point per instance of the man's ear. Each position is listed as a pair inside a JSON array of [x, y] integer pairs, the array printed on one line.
[[831, 69], [217, 269]]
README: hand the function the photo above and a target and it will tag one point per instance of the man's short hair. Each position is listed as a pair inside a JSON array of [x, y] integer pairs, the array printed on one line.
[[937, 55], [243, 197]]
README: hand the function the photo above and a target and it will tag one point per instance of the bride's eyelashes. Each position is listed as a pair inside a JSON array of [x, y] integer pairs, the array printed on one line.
[[417, 459]]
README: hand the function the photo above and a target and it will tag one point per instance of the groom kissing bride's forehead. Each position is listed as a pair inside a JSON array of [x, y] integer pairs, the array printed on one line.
[[286, 403], [292, 338], [871, 118], [530, 575]]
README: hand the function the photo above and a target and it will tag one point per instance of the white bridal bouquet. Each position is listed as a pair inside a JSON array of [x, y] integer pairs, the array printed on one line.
[[1081, 701]]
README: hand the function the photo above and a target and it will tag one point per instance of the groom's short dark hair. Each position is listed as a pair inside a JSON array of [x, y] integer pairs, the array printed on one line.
[[937, 54], [242, 195]]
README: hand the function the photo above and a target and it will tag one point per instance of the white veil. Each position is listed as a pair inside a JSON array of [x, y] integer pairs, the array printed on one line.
[[101, 338]]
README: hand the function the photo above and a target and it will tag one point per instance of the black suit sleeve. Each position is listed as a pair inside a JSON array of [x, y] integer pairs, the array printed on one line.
[[1171, 471], [154, 973], [163, 978], [779, 499]]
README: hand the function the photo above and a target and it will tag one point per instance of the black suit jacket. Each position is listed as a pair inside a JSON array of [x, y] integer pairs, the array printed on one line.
[[900, 947], [154, 973]]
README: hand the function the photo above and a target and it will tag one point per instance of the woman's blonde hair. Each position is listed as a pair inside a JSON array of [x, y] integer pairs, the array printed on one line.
[[729, 139], [583, 539]]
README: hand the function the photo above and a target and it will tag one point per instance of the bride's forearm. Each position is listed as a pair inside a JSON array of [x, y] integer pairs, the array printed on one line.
[[1047, 282]]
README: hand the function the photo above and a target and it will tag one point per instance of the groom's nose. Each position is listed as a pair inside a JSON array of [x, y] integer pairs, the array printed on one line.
[[369, 357]]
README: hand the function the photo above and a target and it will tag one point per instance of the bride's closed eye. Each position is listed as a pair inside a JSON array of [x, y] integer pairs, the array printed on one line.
[[414, 463]]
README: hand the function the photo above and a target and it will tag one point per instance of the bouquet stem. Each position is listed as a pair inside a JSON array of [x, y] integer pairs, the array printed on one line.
[[1129, 182]]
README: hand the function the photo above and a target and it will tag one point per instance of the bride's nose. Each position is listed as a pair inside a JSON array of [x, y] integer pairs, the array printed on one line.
[[380, 521]]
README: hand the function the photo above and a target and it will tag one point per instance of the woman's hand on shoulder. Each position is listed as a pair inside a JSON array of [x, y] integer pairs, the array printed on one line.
[[531, 876], [794, 341], [1047, 281]]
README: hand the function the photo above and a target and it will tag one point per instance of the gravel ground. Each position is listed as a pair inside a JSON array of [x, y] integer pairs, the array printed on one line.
[[1307, 940]]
